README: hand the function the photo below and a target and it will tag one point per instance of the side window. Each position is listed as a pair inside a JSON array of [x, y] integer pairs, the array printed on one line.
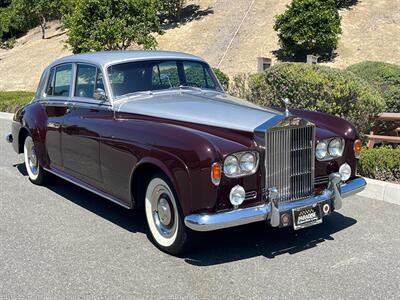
[[62, 80], [165, 75], [85, 81], [197, 75]]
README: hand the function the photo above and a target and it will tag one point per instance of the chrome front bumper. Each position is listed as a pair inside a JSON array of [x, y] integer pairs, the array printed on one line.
[[271, 211]]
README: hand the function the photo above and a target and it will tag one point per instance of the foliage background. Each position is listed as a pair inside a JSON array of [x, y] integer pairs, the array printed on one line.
[[384, 77], [313, 87]]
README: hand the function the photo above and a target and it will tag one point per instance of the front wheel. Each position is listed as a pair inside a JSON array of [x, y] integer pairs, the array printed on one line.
[[164, 218], [35, 172]]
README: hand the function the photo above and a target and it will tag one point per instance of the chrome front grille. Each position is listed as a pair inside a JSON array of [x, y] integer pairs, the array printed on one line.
[[289, 161]]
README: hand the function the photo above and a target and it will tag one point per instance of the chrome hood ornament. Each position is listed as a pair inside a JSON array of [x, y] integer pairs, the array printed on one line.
[[286, 102]]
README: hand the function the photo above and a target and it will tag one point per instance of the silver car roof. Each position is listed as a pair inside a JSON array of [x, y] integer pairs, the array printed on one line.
[[107, 58]]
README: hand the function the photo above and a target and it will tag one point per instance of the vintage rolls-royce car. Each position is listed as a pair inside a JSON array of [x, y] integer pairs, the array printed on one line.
[[155, 130]]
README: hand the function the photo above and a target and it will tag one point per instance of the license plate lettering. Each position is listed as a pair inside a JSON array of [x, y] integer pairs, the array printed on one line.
[[306, 216]]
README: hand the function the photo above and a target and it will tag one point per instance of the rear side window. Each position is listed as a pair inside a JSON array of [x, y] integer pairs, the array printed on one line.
[[59, 81], [88, 79], [197, 75]]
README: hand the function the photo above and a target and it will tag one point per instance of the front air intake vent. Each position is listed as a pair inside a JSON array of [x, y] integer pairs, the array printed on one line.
[[289, 161]]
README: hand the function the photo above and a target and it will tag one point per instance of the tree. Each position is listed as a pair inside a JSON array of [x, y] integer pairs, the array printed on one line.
[[309, 26], [43, 11], [97, 25]]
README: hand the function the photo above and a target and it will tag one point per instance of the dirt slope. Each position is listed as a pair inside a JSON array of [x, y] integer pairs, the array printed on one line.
[[221, 35]]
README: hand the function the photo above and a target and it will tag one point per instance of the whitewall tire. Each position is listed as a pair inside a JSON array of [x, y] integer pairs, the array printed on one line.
[[35, 172], [164, 217]]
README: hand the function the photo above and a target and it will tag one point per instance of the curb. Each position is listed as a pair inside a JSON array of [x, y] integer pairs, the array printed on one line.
[[381, 191], [6, 116]]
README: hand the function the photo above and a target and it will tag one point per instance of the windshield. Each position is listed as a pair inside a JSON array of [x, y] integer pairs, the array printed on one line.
[[132, 77]]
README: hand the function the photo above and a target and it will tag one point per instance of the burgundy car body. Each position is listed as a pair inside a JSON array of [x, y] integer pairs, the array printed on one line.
[[111, 151]]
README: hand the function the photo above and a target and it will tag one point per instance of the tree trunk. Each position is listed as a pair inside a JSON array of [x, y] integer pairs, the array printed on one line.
[[43, 27]]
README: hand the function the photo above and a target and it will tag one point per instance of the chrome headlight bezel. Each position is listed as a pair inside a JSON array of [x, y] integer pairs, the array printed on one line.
[[333, 148], [241, 170]]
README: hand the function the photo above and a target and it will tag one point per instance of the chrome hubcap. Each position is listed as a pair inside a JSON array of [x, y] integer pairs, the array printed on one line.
[[163, 211]]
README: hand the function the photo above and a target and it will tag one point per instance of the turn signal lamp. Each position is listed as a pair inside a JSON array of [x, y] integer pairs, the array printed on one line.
[[216, 173], [357, 148]]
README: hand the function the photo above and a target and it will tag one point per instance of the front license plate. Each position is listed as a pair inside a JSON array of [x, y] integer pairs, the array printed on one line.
[[306, 216]]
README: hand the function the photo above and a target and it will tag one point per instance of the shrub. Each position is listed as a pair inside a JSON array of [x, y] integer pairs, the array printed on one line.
[[319, 88], [97, 25], [11, 101], [222, 78], [384, 77], [380, 163], [308, 26], [7, 44]]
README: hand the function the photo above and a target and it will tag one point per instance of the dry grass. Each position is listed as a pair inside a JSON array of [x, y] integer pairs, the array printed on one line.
[[371, 31]]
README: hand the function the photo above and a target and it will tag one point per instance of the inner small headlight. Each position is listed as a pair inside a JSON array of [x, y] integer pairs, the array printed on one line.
[[321, 150], [231, 165], [237, 195], [247, 162], [335, 147], [345, 171]]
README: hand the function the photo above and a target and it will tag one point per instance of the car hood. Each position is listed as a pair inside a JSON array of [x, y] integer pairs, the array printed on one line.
[[207, 108]]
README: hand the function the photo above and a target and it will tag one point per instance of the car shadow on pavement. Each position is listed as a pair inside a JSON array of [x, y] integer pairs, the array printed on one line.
[[258, 239], [133, 221], [216, 247]]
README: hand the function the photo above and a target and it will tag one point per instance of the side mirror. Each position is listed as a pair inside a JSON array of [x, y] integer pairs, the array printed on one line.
[[99, 94]]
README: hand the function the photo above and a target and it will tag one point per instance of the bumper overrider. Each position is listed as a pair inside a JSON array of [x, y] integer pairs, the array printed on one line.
[[272, 210]]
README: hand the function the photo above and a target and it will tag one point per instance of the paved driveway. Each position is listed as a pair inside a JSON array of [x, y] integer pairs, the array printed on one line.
[[63, 242]]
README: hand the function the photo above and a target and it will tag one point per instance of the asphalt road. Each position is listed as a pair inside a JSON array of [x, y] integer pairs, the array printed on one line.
[[63, 242]]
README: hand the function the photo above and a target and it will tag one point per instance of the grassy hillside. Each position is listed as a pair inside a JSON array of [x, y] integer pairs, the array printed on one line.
[[11, 101], [217, 31]]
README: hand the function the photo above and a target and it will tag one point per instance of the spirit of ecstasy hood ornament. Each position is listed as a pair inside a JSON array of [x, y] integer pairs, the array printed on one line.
[[286, 102]]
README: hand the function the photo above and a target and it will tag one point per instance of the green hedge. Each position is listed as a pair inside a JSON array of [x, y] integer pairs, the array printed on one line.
[[314, 87], [384, 77], [11, 101], [380, 163], [222, 78]]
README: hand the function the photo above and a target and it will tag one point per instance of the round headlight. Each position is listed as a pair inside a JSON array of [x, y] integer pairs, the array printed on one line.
[[345, 171], [231, 165], [321, 150], [237, 195], [247, 162], [335, 147]]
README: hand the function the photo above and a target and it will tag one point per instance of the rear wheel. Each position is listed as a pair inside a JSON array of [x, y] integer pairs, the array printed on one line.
[[35, 172], [164, 218]]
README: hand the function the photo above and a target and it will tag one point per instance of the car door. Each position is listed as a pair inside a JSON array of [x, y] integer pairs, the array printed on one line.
[[55, 98], [83, 125]]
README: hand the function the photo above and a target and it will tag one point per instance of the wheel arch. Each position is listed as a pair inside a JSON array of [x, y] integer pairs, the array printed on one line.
[[147, 168], [22, 134]]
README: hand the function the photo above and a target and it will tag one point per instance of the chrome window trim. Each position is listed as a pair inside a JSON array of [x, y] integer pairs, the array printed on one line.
[[98, 69], [70, 81], [114, 63], [74, 102]]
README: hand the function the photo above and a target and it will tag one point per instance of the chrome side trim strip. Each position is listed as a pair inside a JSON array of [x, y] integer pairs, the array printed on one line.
[[209, 222], [86, 187]]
